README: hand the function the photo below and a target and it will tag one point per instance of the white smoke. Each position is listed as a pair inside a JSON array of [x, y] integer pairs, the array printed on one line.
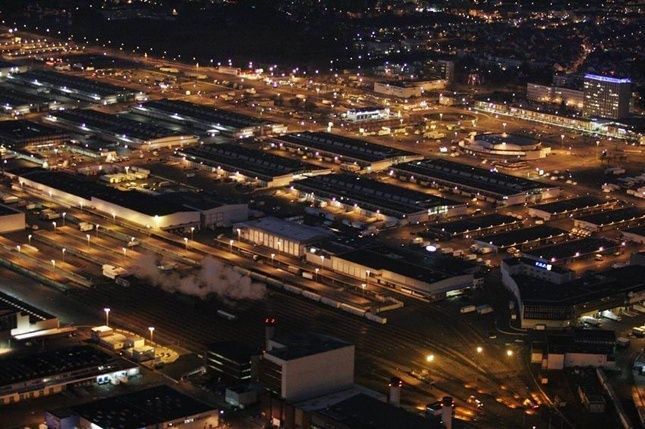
[[213, 278]]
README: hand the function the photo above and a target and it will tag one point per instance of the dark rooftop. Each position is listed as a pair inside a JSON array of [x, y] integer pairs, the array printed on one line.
[[233, 350], [572, 249], [471, 177], [145, 408], [473, 223], [9, 304], [353, 189], [365, 412], [353, 149], [588, 288], [515, 139], [23, 130], [638, 230], [299, 345], [519, 236], [571, 204], [16, 368], [613, 216], [250, 162]]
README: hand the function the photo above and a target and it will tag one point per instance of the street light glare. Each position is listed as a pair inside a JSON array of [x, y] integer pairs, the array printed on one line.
[[430, 358]]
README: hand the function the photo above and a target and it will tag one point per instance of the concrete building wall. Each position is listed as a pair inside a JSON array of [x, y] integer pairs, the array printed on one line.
[[155, 222], [318, 374]]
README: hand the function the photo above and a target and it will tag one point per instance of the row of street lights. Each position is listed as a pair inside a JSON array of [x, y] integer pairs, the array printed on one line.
[[478, 349]]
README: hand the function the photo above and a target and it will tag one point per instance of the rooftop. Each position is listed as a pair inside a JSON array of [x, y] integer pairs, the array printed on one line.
[[365, 412], [519, 236], [17, 368], [360, 190], [66, 83], [613, 216], [350, 148], [9, 304], [208, 116], [250, 162], [289, 230], [594, 286], [299, 345], [571, 204], [21, 130], [514, 139], [571, 249], [471, 177], [638, 230], [145, 408], [474, 223], [233, 350]]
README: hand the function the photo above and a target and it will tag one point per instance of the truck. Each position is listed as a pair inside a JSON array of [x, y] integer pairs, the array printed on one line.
[[85, 226], [607, 314], [49, 214], [468, 309], [484, 309], [112, 272], [638, 331]]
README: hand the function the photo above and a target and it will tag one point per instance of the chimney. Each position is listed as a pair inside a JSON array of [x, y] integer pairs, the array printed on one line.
[[447, 410], [394, 394], [269, 331]]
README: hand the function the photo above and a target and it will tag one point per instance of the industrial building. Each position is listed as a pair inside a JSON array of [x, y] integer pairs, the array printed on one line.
[[463, 179], [606, 97], [27, 376], [245, 164], [20, 133], [430, 275], [15, 103], [230, 360], [573, 348], [374, 198], [557, 95], [157, 211], [154, 407], [505, 146], [572, 206], [209, 119], [549, 296], [353, 154], [120, 129], [11, 219], [525, 237], [474, 226], [611, 219], [281, 235], [635, 234], [302, 366], [368, 114], [76, 87], [568, 251], [20, 320]]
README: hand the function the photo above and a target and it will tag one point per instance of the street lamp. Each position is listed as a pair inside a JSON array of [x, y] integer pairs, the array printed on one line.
[[63, 250], [562, 140], [192, 231], [18, 248], [317, 270], [29, 239], [186, 242], [480, 349], [53, 264], [363, 286], [97, 229], [230, 245], [125, 251], [509, 352], [88, 239], [107, 316], [64, 214], [54, 223], [152, 332], [430, 358], [272, 259]]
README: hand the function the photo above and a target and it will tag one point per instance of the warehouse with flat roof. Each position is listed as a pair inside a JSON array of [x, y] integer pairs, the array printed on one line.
[[246, 164], [154, 407], [14, 102], [572, 206], [157, 211], [568, 251], [34, 375], [475, 226], [20, 133], [635, 234], [610, 219], [374, 198], [76, 87], [208, 118], [120, 129], [533, 236], [463, 179], [352, 153]]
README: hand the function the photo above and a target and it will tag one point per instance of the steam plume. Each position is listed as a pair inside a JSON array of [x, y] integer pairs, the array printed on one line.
[[213, 278]]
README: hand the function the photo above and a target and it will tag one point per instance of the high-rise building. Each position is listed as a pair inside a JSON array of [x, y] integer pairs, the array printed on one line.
[[606, 97]]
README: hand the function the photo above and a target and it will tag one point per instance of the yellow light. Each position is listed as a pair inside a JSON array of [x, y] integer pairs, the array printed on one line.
[[509, 353], [480, 349], [430, 358]]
